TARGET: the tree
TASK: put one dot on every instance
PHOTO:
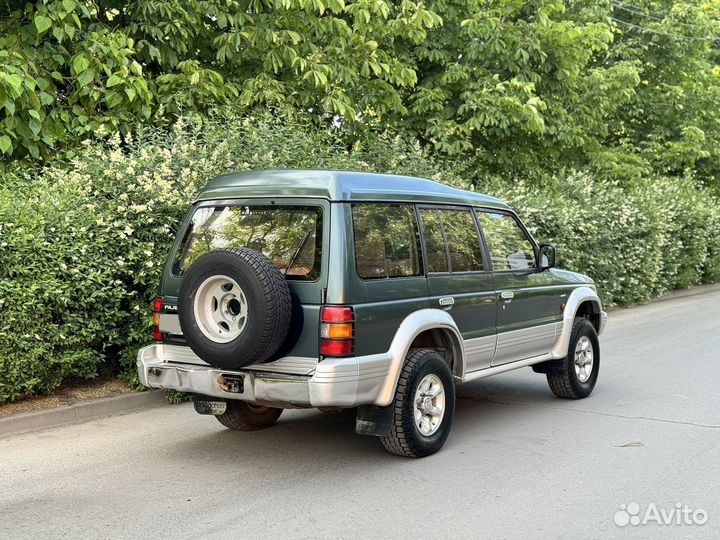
(69, 69)
(672, 122)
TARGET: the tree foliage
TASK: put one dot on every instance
(513, 87)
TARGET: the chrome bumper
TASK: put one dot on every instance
(342, 382)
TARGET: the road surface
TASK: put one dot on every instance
(519, 463)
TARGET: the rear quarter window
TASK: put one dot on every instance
(387, 240)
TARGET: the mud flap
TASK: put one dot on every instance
(373, 420)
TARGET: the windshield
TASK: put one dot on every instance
(290, 236)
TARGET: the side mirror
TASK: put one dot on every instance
(546, 257)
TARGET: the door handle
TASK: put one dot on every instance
(507, 295)
(447, 301)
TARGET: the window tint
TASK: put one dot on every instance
(435, 250)
(451, 240)
(387, 241)
(510, 248)
(290, 236)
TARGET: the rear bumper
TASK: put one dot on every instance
(342, 382)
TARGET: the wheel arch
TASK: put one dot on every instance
(426, 328)
(583, 302)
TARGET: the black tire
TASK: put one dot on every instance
(404, 438)
(268, 302)
(243, 416)
(561, 375)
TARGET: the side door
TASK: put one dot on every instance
(382, 272)
(528, 300)
(459, 280)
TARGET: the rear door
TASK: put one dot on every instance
(294, 233)
(385, 279)
(526, 309)
(459, 280)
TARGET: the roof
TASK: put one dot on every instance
(340, 186)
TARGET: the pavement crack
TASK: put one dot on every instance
(598, 413)
(629, 417)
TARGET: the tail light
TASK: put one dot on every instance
(156, 309)
(337, 331)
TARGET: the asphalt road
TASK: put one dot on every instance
(519, 463)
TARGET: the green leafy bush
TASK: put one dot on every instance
(637, 243)
(82, 243)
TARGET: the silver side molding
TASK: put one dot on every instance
(502, 368)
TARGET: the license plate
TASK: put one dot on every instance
(209, 407)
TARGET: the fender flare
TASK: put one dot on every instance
(577, 297)
(412, 326)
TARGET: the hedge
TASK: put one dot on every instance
(82, 242)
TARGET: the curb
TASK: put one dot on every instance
(676, 294)
(690, 291)
(82, 411)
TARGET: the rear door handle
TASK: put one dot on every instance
(446, 301)
(507, 295)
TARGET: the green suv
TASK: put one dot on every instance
(330, 289)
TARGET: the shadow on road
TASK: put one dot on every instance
(309, 436)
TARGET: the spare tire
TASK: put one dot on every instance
(234, 308)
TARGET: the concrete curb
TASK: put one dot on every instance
(690, 291)
(82, 411)
(695, 290)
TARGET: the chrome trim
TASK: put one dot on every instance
(154, 371)
(577, 297)
(293, 365)
(340, 382)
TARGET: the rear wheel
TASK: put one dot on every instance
(423, 407)
(574, 376)
(244, 416)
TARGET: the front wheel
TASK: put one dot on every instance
(244, 416)
(574, 376)
(423, 407)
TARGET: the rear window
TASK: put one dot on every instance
(387, 241)
(290, 236)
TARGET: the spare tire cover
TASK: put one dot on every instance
(234, 308)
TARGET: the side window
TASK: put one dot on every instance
(510, 248)
(435, 249)
(387, 240)
(451, 240)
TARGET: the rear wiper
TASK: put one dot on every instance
(290, 263)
